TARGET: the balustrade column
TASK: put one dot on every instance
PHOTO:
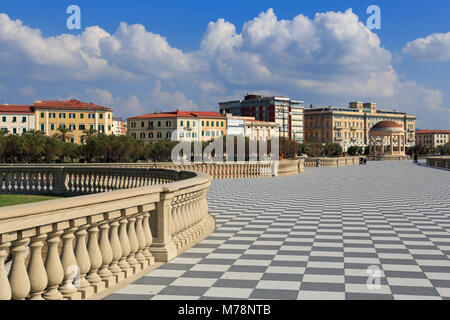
(69, 263)
(54, 268)
(134, 245)
(95, 256)
(5, 288)
(36, 269)
(116, 250)
(83, 261)
(18, 276)
(107, 254)
(141, 239)
(148, 237)
(125, 245)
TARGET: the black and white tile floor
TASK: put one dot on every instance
(314, 236)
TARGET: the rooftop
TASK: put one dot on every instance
(13, 109)
(73, 104)
(433, 131)
(180, 114)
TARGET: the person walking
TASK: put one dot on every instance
(415, 157)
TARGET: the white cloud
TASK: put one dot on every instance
(102, 97)
(332, 57)
(435, 47)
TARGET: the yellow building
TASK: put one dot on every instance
(212, 124)
(74, 115)
(351, 126)
(433, 138)
(153, 127)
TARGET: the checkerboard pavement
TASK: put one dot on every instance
(314, 236)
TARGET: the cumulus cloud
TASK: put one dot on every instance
(332, 58)
(435, 47)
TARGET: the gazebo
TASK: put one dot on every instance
(396, 136)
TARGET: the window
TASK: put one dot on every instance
(159, 135)
(100, 115)
(188, 134)
(24, 119)
(42, 115)
(159, 124)
(14, 130)
(142, 135)
(62, 115)
(82, 127)
(52, 115)
(168, 124)
(101, 128)
(42, 127)
(217, 123)
(194, 135)
(81, 115)
(181, 123)
(24, 130)
(109, 128)
(181, 135)
(150, 135)
(62, 126)
(3, 119)
(91, 126)
(150, 124)
(168, 135)
(91, 115)
(207, 123)
(142, 124)
(109, 116)
(221, 124)
(207, 133)
(203, 123)
(188, 124)
(52, 126)
(203, 133)
(194, 124)
(72, 127)
(71, 115)
(14, 119)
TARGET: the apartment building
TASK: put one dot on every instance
(351, 126)
(212, 124)
(286, 113)
(74, 115)
(153, 127)
(250, 127)
(16, 119)
(119, 126)
(433, 138)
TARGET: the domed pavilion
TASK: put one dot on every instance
(387, 133)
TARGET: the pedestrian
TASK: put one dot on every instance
(415, 157)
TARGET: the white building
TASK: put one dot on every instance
(251, 128)
(16, 119)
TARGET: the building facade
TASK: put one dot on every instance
(119, 126)
(433, 138)
(286, 113)
(16, 119)
(154, 127)
(212, 124)
(251, 128)
(351, 126)
(74, 115)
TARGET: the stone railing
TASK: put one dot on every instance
(291, 167)
(77, 180)
(332, 162)
(439, 162)
(82, 246)
(110, 174)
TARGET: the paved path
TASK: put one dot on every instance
(314, 235)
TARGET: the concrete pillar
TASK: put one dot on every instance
(392, 144)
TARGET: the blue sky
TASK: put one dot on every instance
(179, 53)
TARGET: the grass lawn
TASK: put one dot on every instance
(13, 199)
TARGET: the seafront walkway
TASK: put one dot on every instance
(380, 231)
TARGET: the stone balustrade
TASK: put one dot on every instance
(81, 246)
(439, 162)
(332, 162)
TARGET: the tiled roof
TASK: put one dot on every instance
(180, 114)
(15, 109)
(69, 105)
(433, 131)
(387, 124)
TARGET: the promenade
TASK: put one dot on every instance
(313, 236)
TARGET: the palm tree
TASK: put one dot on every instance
(63, 134)
(89, 133)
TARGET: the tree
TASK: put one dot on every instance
(63, 134)
(333, 149)
(354, 150)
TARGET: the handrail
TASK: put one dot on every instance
(96, 241)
